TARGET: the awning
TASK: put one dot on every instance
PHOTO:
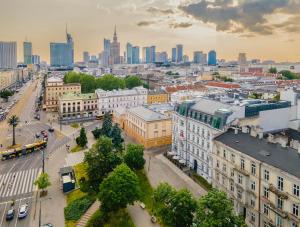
(176, 157)
(181, 161)
(171, 153)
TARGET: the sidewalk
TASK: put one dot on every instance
(162, 170)
(88, 214)
(140, 217)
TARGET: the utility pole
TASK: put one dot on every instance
(43, 160)
(149, 164)
(40, 215)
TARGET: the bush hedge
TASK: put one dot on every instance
(78, 207)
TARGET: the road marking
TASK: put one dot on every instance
(18, 212)
(2, 219)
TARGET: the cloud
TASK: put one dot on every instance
(154, 10)
(241, 16)
(180, 25)
(145, 23)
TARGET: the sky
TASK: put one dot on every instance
(264, 29)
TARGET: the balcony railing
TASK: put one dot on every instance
(279, 193)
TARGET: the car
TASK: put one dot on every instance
(37, 135)
(10, 214)
(44, 133)
(23, 211)
(47, 225)
(51, 130)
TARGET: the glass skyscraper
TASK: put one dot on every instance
(129, 53)
(179, 48)
(62, 54)
(152, 54)
(27, 51)
(136, 55)
(174, 54)
(212, 57)
(198, 57)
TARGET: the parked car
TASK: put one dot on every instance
(37, 135)
(51, 130)
(44, 133)
(10, 214)
(47, 225)
(23, 211)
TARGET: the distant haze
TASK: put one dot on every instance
(264, 29)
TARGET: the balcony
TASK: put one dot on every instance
(279, 193)
(277, 210)
(242, 171)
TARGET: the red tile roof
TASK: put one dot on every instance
(223, 85)
(172, 89)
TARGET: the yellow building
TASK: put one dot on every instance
(262, 178)
(147, 127)
(55, 88)
(155, 96)
(7, 78)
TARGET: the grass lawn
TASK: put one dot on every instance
(80, 171)
(146, 190)
(117, 219)
(201, 181)
(74, 125)
(76, 194)
(76, 149)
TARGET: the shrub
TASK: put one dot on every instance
(78, 207)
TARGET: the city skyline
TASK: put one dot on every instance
(145, 23)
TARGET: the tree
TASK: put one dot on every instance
(176, 208)
(119, 189)
(97, 133)
(117, 138)
(273, 70)
(110, 82)
(13, 121)
(100, 161)
(215, 209)
(5, 94)
(134, 156)
(42, 181)
(289, 75)
(81, 140)
(132, 81)
(107, 125)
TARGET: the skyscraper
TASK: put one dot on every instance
(27, 51)
(129, 53)
(8, 55)
(174, 54)
(146, 55)
(198, 56)
(179, 52)
(152, 54)
(212, 57)
(106, 53)
(242, 59)
(115, 49)
(62, 54)
(36, 59)
(86, 57)
(136, 55)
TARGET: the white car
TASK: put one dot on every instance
(23, 211)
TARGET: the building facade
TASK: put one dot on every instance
(179, 53)
(55, 88)
(254, 173)
(8, 55)
(147, 127)
(174, 54)
(108, 101)
(77, 107)
(212, 57)
(8, 78)
(115, 50)
(157, 96)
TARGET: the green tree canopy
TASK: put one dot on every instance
(100, 161)
(117, 138)
(134, 156)
(42, 181)
(81, 140)
(273, 70)
(5, 94)
(215, 209)
(289, 75)
(119, 189)
(133, 81)
(107, 125)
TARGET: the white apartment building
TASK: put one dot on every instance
(108, 101)
(195, 124)
(8, 55)
(261, 177)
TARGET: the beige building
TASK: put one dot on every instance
(157, 96)
(55, 88)
(148, 127)
(261, 177)
(77, 107)
(8, 78)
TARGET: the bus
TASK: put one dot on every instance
(27, 149)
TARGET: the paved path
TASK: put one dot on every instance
(88, 214)
(162, 170)
(140, 217)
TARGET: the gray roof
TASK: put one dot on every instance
(210, 106)
(146, 114)
(286, 159)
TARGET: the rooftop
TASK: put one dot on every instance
(147, 114)
(72, 96)
(210, 106)
(286, 159)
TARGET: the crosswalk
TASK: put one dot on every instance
(18, 183)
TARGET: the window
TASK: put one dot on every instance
(295, 210)
(231, 173)
(266, 175)
(278, 221)
(242, 164)
(224, 167)
(232, 186)
(233, 158)
(266, 192)
(296, 190)
(218, 164)
(253, 169)
(280, 183)
(224, 154)
(294, 224)
(240, 179)
(239, 194)
(279, 203)
(252, 217)
(266, 209)
(253, 185)
(252, 202)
